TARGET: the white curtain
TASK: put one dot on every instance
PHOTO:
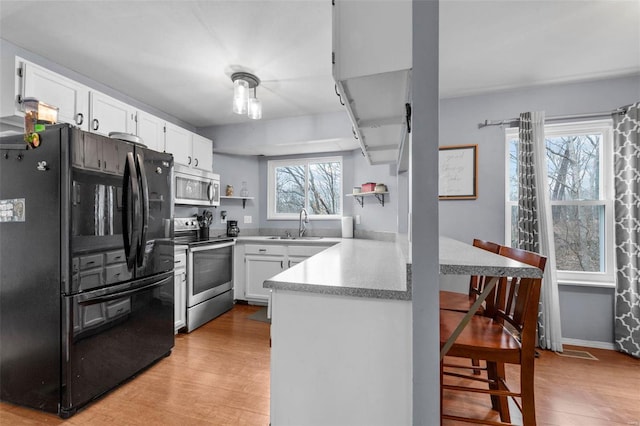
(535, 227)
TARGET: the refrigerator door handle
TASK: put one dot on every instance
(144, 201)
(129, 220)
(121, 294)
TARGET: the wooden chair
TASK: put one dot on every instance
(459, 302)
(508, 337)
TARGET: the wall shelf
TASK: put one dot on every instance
(244, 199)
(360, 196)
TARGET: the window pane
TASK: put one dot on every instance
(574, 167)
(324, 188)
(514, 226)
(579, 237)
(513, 170)
(289, 189)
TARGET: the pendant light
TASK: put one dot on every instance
(243, 82)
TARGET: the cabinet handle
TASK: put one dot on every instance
(98, 160)
(96, 124)
(196, 162)
(288, 264)
(262, 250)
(282, 264)
(79, 118)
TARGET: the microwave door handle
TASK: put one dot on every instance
(210, 191)
(130, 190)
(144, 216)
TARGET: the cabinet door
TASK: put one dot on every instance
(202, 153)
(151, 130)
(110, 156)
(180, 298)
(110, 115)
(92, 152)
(360, 47)
(257, 269)
(178, 143)
(70, 97)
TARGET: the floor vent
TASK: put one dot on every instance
(577, 354)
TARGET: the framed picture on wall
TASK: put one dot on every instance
(458, 172)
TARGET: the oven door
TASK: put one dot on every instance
(210, 271)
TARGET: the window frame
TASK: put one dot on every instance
(306, 161)
(597, 279)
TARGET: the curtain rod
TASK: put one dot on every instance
(513, 122)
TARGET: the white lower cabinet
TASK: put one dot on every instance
(256, 263)
(180, 289)
(260, 263)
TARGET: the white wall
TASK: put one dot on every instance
(484, 218)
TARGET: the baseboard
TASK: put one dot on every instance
(588, 343)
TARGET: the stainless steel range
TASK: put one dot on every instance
(209, 273)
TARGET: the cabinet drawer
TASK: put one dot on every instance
(116, 273)
(89, 279)
(180, 260)
(118, 308)
(90, 261)
(265, 249)
(115, 257)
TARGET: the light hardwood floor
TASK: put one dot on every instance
(219, 375)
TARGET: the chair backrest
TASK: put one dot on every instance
(517, 299)
(476, 284)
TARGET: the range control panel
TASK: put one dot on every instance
(185, 224)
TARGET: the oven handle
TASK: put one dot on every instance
(212, 246)
(121, 294)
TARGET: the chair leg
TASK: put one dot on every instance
(528, 395)
(496, 374)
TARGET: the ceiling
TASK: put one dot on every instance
(177, 56)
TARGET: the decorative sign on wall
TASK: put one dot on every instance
(458, 172)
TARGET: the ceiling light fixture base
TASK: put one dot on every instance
(248, 77)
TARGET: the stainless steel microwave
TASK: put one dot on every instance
(196, 187)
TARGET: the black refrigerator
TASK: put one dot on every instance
(86, 266)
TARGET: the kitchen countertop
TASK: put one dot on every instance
(355, 267)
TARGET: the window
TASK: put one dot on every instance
(311, 183)
(580, 175)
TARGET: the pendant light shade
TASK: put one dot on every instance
(243, 104)
(240, 96)
(254, 108)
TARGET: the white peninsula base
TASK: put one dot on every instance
(340, 360)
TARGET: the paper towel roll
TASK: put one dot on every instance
(347, 227)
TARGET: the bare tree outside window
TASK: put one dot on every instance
(577, 205)
(312, 184)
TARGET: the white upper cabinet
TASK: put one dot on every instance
(372, 60)
(189, 149)
(70, 97)
(371, 37)
(107, 115)
(178, 142)
(202, 152)
(151, 130)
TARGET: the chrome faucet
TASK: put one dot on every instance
(301, 225)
